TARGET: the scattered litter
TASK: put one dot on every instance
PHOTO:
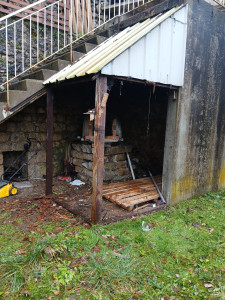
(218, 197)
(153, 205)
(160, 202)
(64, 178)
(208, 285)
(54, 204)
(77, 182)
(146, 227)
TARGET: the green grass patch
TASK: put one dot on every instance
(182, 256)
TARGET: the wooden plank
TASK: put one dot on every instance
(118, 184)
(49, 142)
(128, 186)
(131, 193)
(124, 196)
(101, 97)
(123, 188)
(135, 197)
(131, 190)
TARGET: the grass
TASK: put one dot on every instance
(181, 257)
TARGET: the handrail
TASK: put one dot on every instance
(220, 2)
(21, 10)
(39, 35)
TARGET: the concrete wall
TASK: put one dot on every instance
(198, 151)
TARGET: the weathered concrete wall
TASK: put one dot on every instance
(199, 152)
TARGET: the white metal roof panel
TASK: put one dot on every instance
(130, 51)
(159, 56)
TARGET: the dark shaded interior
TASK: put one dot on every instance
(8, 158)
(142, 111)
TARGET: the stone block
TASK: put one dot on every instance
(122, 172)
(87, 172)
(108, 175)
(121, 178)
(84, 156)
(1, 159)
(84, 178)
(116, 165)
(119, 157)
(4, 137)
(88, 165)
(39, 158)
(36, 170)
(78, 169)
(87, 148)
(1, 169)
(76, 147)
(77, 162)
(117, 150)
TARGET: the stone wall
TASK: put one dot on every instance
(32, 122)
(115, 162)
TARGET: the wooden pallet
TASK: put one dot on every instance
(132, 193)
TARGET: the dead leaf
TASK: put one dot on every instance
(56, 293)
(196, 225)
(21, 251)
(211, 230)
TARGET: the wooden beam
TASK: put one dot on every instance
(49, 141)
(101, 98)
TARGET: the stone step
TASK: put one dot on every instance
(27, 85)
(57, 65)
(42, 74)
(15, 96)
(85, 48)
(76, 56)
(97, 40)
(107, 33)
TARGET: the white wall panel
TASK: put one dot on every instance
(159, 56)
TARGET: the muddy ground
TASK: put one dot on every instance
(32, 205)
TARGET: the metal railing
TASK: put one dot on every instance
(220, 2)
(29, 37)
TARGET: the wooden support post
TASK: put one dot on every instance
(101, 98)
(49, 142)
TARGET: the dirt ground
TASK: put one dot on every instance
(32, 205)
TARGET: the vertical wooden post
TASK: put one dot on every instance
(49, 141)
(101, 97)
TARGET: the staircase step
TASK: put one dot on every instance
(42, 74)
(57, 65)
(85, 48)
(76, 56)
(97, 40)
(107, 33)
(15, 96)
(27, 85)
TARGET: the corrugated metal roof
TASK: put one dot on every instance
(100, 56)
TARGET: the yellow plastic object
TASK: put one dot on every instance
(7, 190)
